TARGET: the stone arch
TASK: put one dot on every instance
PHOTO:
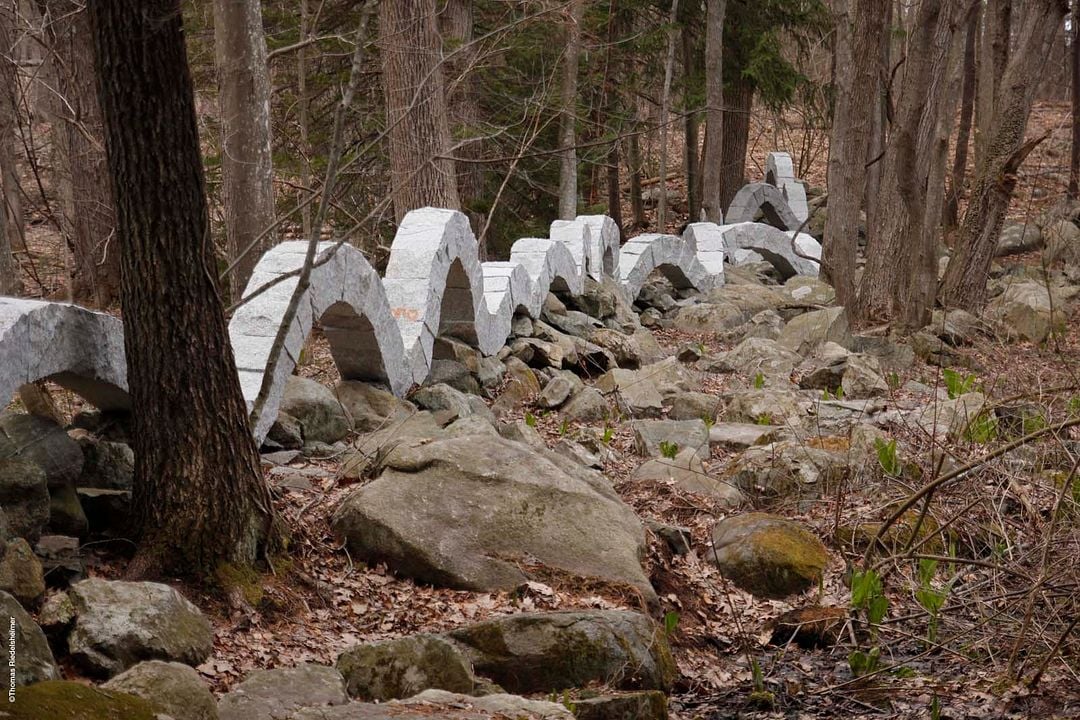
(603, 246)
(550, 266)
(675, 257)
(76, 348)
(767, 199)
(775, 246)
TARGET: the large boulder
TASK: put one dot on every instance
(119, 624)
(58, 699)
(21, 573)
(403, 667)
(765, 406)
(444, 705)
(635, 392)
(173, 688)
(280, 693)
(44, 443)
(1018, 238)
(1062, 242)
(321, 415)
(371, 408)
(106, 464)
(767, 555)
(758, 355)
(1028, 310)
(953, 418)
(464, 512)
(545, 652)
(34, 660)
(24, 496)
(787, 470)
(804, 333)
(709, 318)
(663, 438)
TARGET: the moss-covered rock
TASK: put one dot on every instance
(58, 699)
(171, 687)
(21, 573)
(403, 667)
(544, 652)
(646, 705)
(767, 555)
(33, 660)
(280, 692)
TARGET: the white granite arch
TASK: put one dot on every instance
(708, 238)
(766, 198)
(673, 256)
(576, 235)
(76, 348)
(345, 295)
(780, 171)
(775, 246)
(550, 267)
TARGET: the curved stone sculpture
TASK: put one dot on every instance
(383, 330)
(345, 296)
(76, 348)
(775, 246)
(765, 198)
(780, 171)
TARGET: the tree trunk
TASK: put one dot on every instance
(11, 217)
(963, 134)
(993, 55)
(713, 161)
(860, 31)
(964, 285)
(568, 193)
(879, 120)
(246, 154)
(303, 111)
(421, 167)
(456, 22)
(665, 112)
(1074, 57)
(691, 124)
(736, 136)
(899, 247)
(637, 204)
(199, 496)
(90, 219)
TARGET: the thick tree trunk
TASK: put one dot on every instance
(963, 133)
(637, 203)
(899, 248)
(665, 110)
(11, 216)
(691, 124)
(199, 497)
(246, 154)
(993, 56)
(90, 219)
(735, 137)
(875, 150)
(713, 161)
(568, 191)
(456, 22)
(421, 167)
(1074, 58)
(964, 285)
(303, 113)
(860, 31)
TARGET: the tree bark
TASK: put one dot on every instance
(993, 56)
(11, 217)
(637, 203)
(735, 137)
(568, 191)
(860, 32)
(457, 29)
(421, 167)
(963, 133)
(665, 112)
(880, 120)
(1074, 58)
(90, 218)
(964, 285)
(199, 496)
(713, 161)
(246, 154)
(691, 125)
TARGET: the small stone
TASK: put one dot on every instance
(768, 556)
(555, 393)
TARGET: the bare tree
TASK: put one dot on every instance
(860, 28)
(568, 193)
(993, 55)
(199, 495)
(421, 166)
(246, 155)
(11, 218)
(714, 116)
(665, 111)
(456, 22)
(1074, 61)
(963, 134)
(964, 284)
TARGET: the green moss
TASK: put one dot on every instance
(56, 699)
(234, 577)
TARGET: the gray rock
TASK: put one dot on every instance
(455, 374)
(61, 564)
(766, 407)
(106, 464)
(496, 705)
(34, 660)
(1062, 242)
(1028, 310)
(108, 512)
(652, 436)
(709, 318)
(956, 327)
(445, 399)
(555, 393)
(635, 392)
(808, 291)
(488, 500)
(24, 496)
(285, 433)
(739, 436)
(119, 624)
(787, 470)
(401, 668)
(545, 652)
(687, 472)
(174, 688)
(21, 573)
(520, 431)
(768, 556)
(646, 705)
(678, 539)
(588, 405)
(281, 693)
(1018, 238)
(951, 418)
(41, 441)
(758, 355)
(321, 416)
(863, 378)
(622, 346)
(750, 298)
(372, 408)
(66, 514)
(766, 324)
(693, 406)
(804, 333)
